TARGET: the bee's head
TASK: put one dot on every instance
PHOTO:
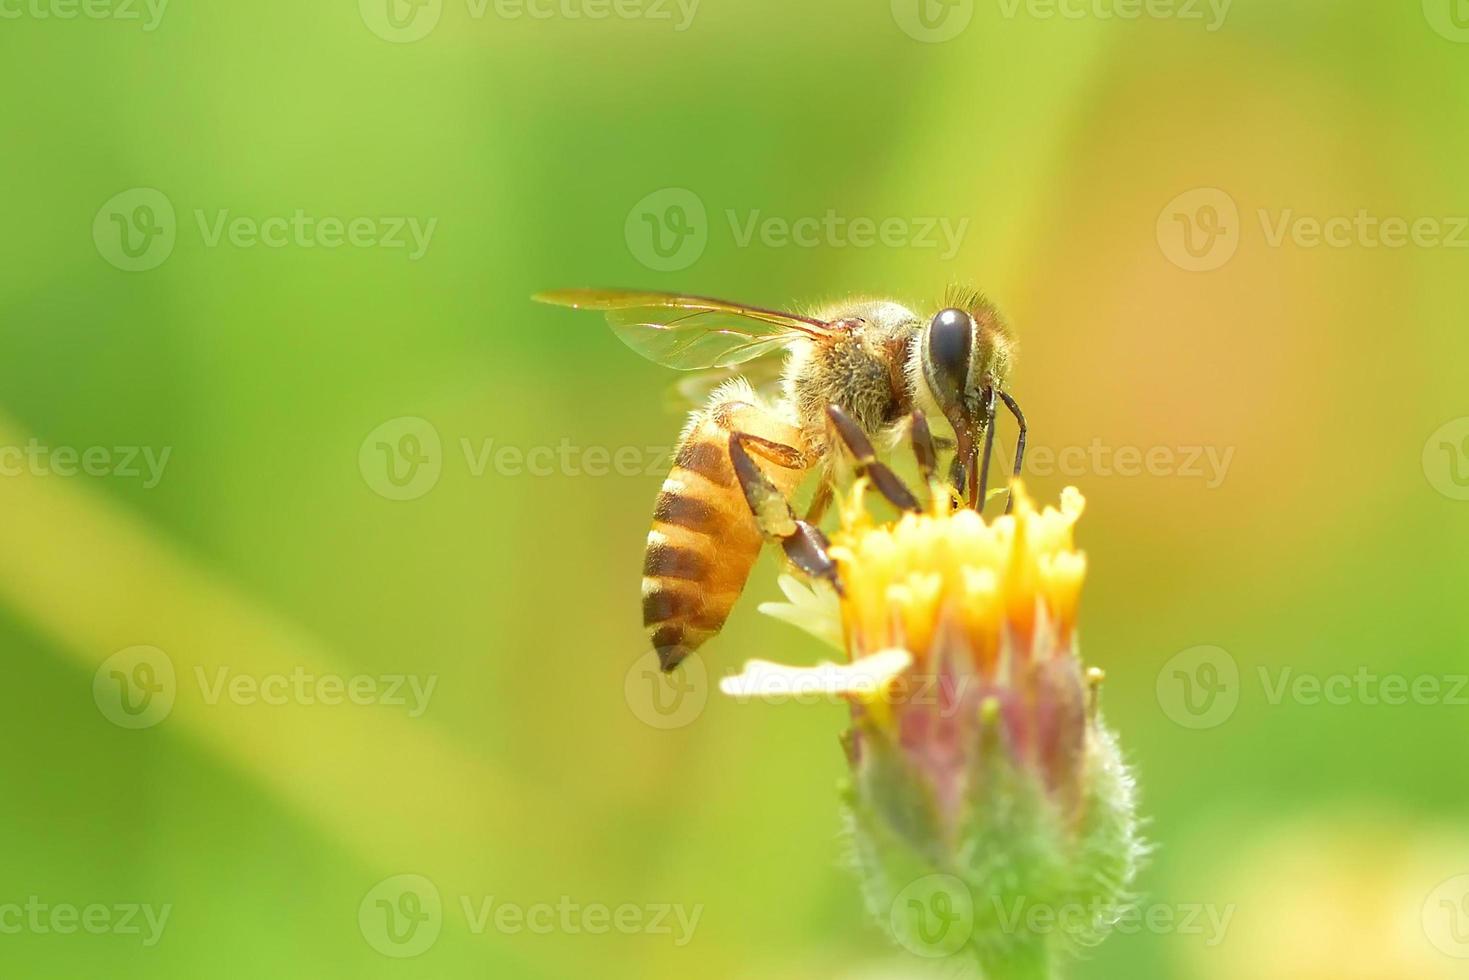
(964, 356)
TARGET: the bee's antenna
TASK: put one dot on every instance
(1019, 444)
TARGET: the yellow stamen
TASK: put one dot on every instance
(992, 578)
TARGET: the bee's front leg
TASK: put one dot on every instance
(820, 501)
(1014, 408)
(924, 450)
(802, 542)
(883, 478)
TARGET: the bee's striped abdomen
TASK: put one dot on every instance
(704, 540)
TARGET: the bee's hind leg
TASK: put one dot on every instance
(883, 478)
(802, 542)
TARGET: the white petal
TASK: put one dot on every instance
(798, 592)
(815, 611)
(863, 679)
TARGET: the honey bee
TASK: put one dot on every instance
(856, 374)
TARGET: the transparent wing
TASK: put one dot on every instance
(692, 390)
(692, 332)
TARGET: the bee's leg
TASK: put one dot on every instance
(982, 485)
(802, 542)
(703, 542)
(822, 500)
(1019, 445)
(883, 478)
(923, 447)
(959, 471)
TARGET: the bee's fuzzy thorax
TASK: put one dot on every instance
(858, 372)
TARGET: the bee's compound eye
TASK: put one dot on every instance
(950, 340)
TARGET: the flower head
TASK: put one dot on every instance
(976, 750)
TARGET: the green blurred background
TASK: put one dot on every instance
(1121, 184)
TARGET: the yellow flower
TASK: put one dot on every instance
(977, 752)
(949, 568)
